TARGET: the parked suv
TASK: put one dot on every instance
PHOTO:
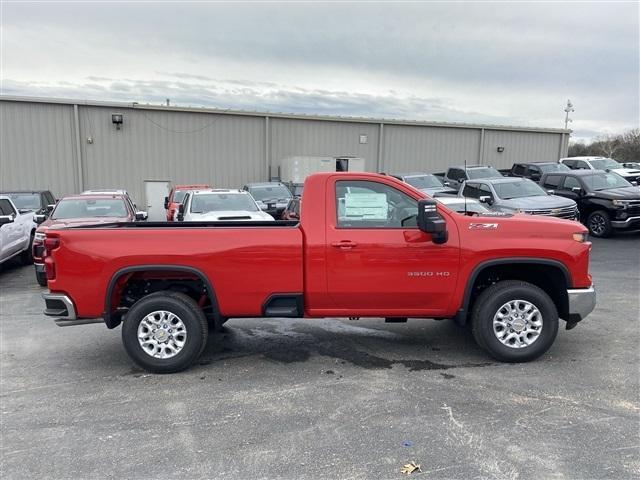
(272, 197)
(534, 171)
(426, 182)
(602, 163)
(40, 202)
(519, 195)
(220, 205)
(606, 201)
(456, 176)
(16, 231)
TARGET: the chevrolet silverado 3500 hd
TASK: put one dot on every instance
(367, 245)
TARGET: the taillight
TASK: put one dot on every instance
(50, 244)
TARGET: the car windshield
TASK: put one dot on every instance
(606, 181)
(484, 172)
(474, 207)
(604, 163)
(270, 192)
(554, 167)
(89, 208)
(178, 196)
(219, 202)
(525, 188)
(423, 181)
(25, 201)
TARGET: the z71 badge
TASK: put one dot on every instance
(483, 226)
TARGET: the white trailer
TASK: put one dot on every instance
(297, 169)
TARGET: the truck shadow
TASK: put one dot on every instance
(295, 340)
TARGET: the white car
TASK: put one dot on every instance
(631, 175)
(218, 205)
(17, 230)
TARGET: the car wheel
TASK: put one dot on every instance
(26, 257)
(599, 224)
(165, 332)
(514, 321)
(41, 278)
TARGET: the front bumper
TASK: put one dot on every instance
(582, 301)
(625, 223)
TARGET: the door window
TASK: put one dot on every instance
(485, 191)
(552, 181)
(580, 165)
(571, 182)
(6, 208)
(471, 190)
(518, 170)
(366, 204)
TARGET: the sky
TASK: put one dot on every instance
(497, 63)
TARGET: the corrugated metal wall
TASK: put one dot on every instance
(323, 138)
(431, 149)
(38, 145)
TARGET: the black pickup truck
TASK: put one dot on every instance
(534, 170)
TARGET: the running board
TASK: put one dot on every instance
(61, 322)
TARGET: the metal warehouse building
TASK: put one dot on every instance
(68, 146)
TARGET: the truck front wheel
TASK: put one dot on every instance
(165, 332)
(514, 321)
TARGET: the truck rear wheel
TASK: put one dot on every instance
(26, 257)
(514, 321)
(165, 332)
(41, 278)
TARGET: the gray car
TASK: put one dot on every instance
(271, 197)
(426, 182)
(519, 195)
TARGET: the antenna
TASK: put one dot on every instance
(466, 175)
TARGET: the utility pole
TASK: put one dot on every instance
(567, 109)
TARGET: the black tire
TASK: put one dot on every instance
(26, 257)
(599, 224)
(191, 315)
(41, 278)
(489, 303)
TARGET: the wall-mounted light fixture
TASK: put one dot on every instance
(117, 119)
(500, 149)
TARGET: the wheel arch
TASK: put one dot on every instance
(113, 320)
(545, 269)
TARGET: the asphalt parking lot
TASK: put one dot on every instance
(325, 398)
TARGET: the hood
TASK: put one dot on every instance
(538, 202)
(76, 222)
(624, 193)
(229, 216)
(626, 172)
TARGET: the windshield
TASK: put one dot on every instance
(178, 196)
(525, 188)
(604, 164)
(270, 192)
(606, 181)
(25, 201)
(484, 172)
(423, 181)
(91, 207)
(554, 167)
(218, 202)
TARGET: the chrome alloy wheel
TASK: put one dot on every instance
(517, 323)
(162, 334)
(597, 224)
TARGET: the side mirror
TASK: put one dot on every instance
(4, 219)
(50, 208)
(577, 190)
(447, 184)
(39, 218)
(551, 192)
(486, 199)
(166, 203)
(141, 215)
(635, 184)
(430, 221)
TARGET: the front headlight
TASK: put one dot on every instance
(39, 236)
(580, 237)
(620, 203)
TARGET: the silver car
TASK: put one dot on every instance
(519, 195)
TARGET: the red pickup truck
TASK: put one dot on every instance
(367, 245)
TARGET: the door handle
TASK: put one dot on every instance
(346, 244)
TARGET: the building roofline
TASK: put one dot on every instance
(292, 116)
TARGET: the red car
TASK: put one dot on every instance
(176, 195)
(367, 245)
(85, 209)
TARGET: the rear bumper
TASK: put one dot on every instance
(61, 307)
(582, 301)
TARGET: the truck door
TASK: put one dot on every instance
(12, 235)
(377, 261)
